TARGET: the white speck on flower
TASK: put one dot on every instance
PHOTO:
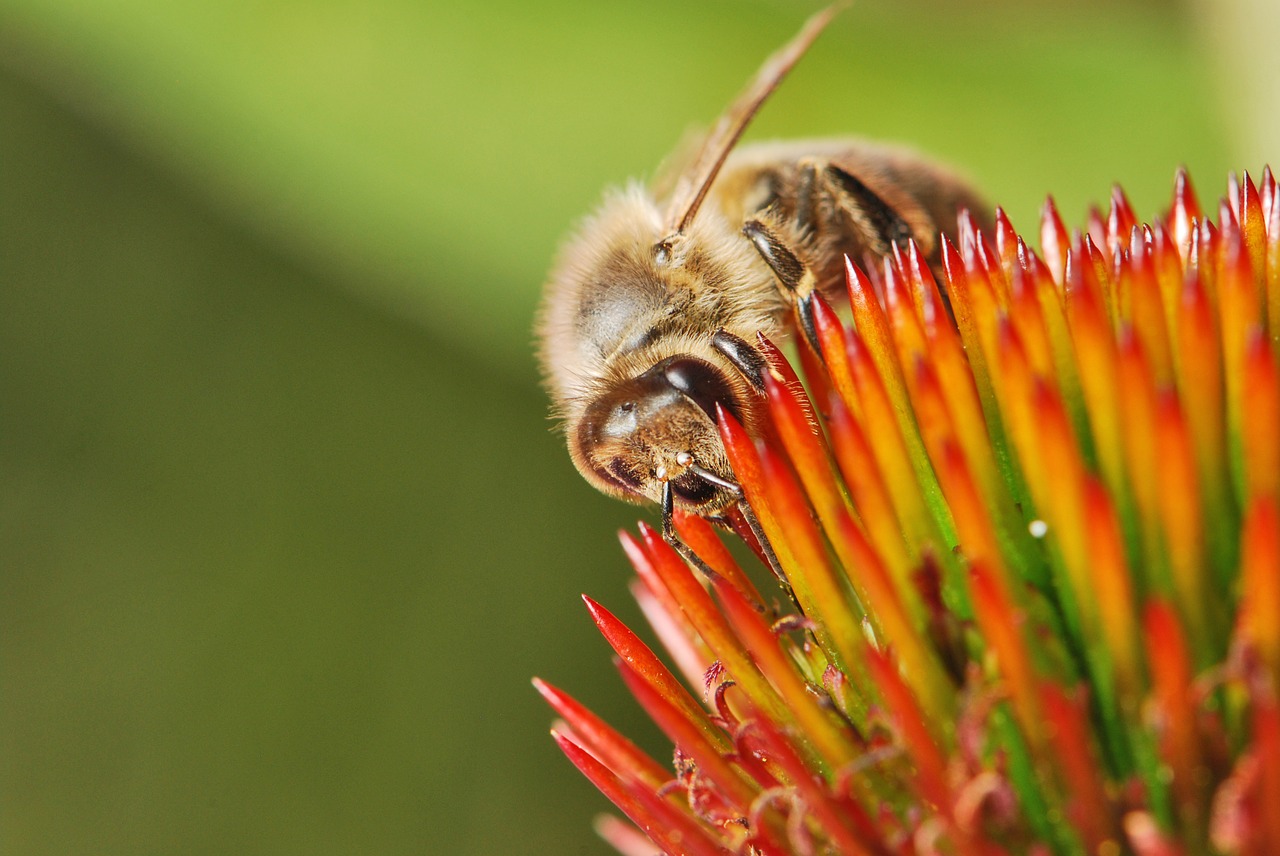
(1038, 528)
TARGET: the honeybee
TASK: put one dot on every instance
(649, 316)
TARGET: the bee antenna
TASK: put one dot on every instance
(696, 181)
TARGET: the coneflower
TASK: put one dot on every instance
(1027, 543)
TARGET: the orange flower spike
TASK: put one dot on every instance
(1185, 212)
(934, 318)
(1260, 597)
(1239, 314)
(914, 733)
(908, 334)
(1017, 384)
(1200, 384)
(1170, 278)
(1001, 626)
(874, 330)
(1006, 242)
(701, 612)
(1120, 220)
(1254, 231)
(1146, 309)
(784, 515)
(1178, 504)
(1112, 588)
(1087, 804)
(1137, 398)
(986, 260)
(861, 473)
(1174, 709)
(695, 531)
(1063, 503)
(962, 306)
(805, 446)
(1260, 441)
(602, 741)
(831, 741)
(641, 660)
(1024, 312)
(1095, 350)
(1271, 212)
(1101, 270)
(902, 630)
(863, 393)
(666, 825)
(1054, 240)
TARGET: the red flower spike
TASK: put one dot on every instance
(1266, 739)
(1174, 711)
(1024, 313)
(1185, 212)
(1099, 272)
(842, 822)
(1087, 804)
(668, 827)
(697, 533)
(989, 263)
(924, 291)
(647, 572)
(688, 653)
(1260, 439)
(1260, 599)
(830, 741)
(1054, 240)
(623, 837)
(616, 751)
(874, 332)
(732, 790)
(644, 663)
(701, 612)
(1170, 277)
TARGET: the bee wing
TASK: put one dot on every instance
(692, 185)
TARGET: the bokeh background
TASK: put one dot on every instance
(284, 531)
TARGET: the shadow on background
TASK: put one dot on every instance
(284, 532)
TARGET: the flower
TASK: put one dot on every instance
(1028, 543)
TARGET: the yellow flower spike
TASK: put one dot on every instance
(1137, 400)
(1239, 315)
(1201, 388)
(1254, 232)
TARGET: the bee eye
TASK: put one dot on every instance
(627, 406)
(702, 383)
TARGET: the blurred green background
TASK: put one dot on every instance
(283, 528)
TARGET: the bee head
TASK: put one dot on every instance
(657, 427)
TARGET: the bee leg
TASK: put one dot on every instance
(880, 224)
(746, 359)
(795, 276)
(670, 535)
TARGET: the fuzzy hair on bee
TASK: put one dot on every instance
(651, 311)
